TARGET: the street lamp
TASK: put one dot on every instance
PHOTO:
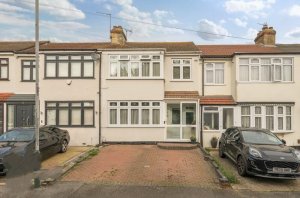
(37, 79)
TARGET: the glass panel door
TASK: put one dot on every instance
(188, 120)
(173, 121)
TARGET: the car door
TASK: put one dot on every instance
(233, 143)
(44, 143)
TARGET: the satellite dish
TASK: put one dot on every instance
(95, 56)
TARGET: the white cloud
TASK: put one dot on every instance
(294, 11)
(14, 20)
(51, 7)
(68, 25)
(295, 33)
(253, 8)
(130, 12)
(108, 7)
(240, 23)
(208, 30)
(11, 8)
(251, 33)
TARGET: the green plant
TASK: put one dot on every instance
(93, 152)
(227, 173)
(193, 139)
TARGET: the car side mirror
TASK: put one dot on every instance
(283, 141)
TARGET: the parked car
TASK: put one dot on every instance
(17, 148)
(260, 153)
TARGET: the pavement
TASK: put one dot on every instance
(145, 165)
(256, 183)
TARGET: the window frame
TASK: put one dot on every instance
(70, 108)
(181, 65)
(4, 65)
(69, 60)
(129, 107)
(214, 73)
(32, 66)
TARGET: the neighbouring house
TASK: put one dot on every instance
(122, 91)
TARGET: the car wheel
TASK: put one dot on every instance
(221, 151)
(64, 146)
(241, 166)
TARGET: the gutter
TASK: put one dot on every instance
(201, 108)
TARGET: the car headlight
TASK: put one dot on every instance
(297, 153)
(255, 153)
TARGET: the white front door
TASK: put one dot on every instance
(181, 121)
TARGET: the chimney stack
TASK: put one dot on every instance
(267, 36)
(118, 36)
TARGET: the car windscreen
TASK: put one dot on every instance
(17, 136)
(260, 137)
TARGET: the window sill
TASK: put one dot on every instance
(214, 84)
(181, 80)
(138, 126)
(135, 78)
(79, 78)
(258, 82)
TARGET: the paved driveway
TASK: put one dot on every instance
(145, 165)
(256, 183)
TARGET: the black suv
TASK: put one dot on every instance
(259, 152)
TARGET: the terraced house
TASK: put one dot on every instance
(153, 92)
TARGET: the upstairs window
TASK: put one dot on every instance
(3, 68)
(182, 69)
(69, 66)
(135, 66)
(266, 70)
(28, 70)
(214, 73)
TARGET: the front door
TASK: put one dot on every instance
(181, 121)
(24, 116)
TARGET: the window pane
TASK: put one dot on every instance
(186, 62)
(63, 117)
(88, 69)
(265, 61)
(244, 73)
(280, 123)
(188, 132)
(258, 122)
(254, 60)
(124, 69)
(219, 76)
(270, 123)
(173, 114)
(76, 117)
(176, 61)
(155, 116)
(26, 73)
(33, 73)
(186, 72)
(156, 69)
(146, 69)
(287, 61)
(287, 73)
(145, 116)
(134, 116)
(188, 114)
(258, 110)
(113, 69)
(63, 69)
(288, 110)
(51, 70)
(51, 57)
(269, 110)
(245, 110)
(113, 104)
(135, 69)
(280, 110)
(3, 72)
(209, 76)
(277, 72)
(88, 104)
(254, 73)
(51, 117)
(288, 123)
(88, 117)
(76, 57)
(244, 61)
(123, 116)
(176, 72)
(211, 121)
(113, 116)
(227, 118)
(246, 121)
(75, 69)
(266, 74)
(173, 132)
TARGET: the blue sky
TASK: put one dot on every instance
(77, 20)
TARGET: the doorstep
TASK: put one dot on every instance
(177, 146)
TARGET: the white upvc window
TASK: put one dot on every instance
(211, 118)
(276, 118)
(214, 73)
(182, 69)
(135, 113)
(135, 66)
(266, 69)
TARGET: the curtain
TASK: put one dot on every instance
(244, 73)
(176, 72)
(134, 116)
(244, 61)
(155, 116)
(288, 123)
(269, 110)
(287, 73)
(3, 72)
(258, 110)
(246, 121)
(255, 73)
(258, 122)
(135, 69)
(50, 69)
(26, 73)
(123, 116)
(266, 74)
(277, 72)
(123, 68)
(76, 117)
(280, 123)
(227, 118)
(219, 76)
(113, 116)
(156, 69)
(270, 123)
(145, 116)
(113, 69)
(63, 69)
(209, 76)
(146, 69)
(63, 117)
(88, 69)
(75, 69)
(246, 110)
(88, 117)
(186, 72)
